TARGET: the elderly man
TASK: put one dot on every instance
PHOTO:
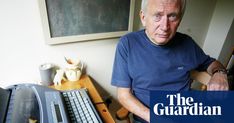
(159, 58)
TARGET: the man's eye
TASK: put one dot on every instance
(157, 17)
(173, 17)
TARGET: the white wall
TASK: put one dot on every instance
(219, 27)
(197, 19)
(228, 46)
(22, 47)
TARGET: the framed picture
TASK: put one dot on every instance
(66, 21)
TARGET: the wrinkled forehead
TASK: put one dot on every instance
(162, 3)
(178, 3)
(166, 1)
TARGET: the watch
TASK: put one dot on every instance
(223, 71)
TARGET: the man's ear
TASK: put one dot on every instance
(142, 16)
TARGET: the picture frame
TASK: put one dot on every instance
(84, 20)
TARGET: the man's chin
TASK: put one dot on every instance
(161, 41)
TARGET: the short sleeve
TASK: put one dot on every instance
(202, 60)
(120, 74)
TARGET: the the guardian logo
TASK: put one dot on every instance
(179, 105)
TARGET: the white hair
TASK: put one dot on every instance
(145, 2)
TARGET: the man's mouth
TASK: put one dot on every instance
(163, 36)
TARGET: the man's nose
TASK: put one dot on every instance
(164, 25)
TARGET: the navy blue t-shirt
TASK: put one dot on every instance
(143, 66)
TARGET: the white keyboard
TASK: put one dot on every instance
(79, 107)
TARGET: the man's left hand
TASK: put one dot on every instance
(218, 82)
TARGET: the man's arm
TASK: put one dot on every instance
(131, 103)
(218, 79)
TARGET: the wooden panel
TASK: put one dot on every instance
(202, 77)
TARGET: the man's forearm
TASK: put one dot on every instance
(129, 101)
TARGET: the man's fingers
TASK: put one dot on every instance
(216, 86)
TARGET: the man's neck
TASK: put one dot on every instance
(151, 40)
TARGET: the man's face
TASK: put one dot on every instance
(161, 20)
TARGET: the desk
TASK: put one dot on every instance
(85, 82)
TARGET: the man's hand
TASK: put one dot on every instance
(218, 79)
(218, 82)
